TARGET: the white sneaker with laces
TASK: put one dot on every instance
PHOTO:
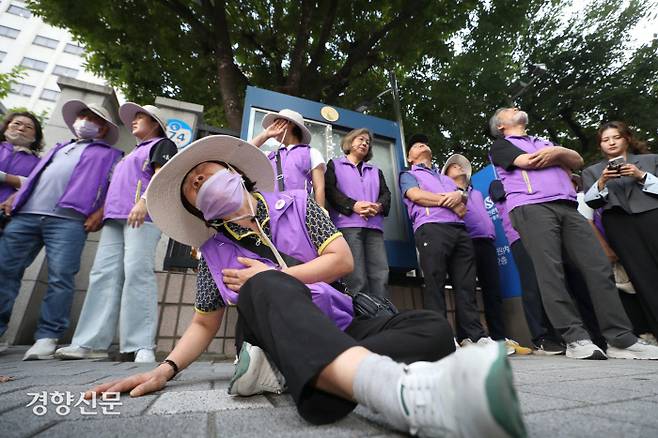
(145, 355)
(467, 394)
(78, 352)
(640, 350)
(254, 374)
(585, 349)
(41, 350)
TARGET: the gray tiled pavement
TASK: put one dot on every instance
(559, 397)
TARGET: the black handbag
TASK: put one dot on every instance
(365, 306)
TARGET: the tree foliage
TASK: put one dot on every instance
(6, 79)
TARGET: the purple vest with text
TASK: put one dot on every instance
(360, 188)
(433, 182)
(296, 167)
(535, 186)
(85, 191)
(477, 220)
(510, 232)
(130, 179)
(14, 163)
(289, 235)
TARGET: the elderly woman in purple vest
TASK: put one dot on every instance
(359, 199)
(21, 140)
(57, 205)
(543, 209)
(122, 284)
(330, 361)
(625, 186)
(296, 164)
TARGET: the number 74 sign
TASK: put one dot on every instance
(179, 132)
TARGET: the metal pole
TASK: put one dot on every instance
(396, 106)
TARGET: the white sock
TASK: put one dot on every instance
(376, 386)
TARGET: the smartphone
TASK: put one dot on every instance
(616, 163)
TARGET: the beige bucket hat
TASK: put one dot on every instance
(72, 108)
(129, 110)
(291, 116)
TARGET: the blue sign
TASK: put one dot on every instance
(179, 132)
(509, 274)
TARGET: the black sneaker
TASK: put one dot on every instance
(548, 347)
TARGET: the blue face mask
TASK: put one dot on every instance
(221, 195)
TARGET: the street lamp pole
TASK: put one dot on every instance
(396, 106)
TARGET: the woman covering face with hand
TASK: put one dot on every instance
(206, 197)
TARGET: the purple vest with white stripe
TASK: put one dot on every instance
(287, 212)
(296, 167)
(434, 182)
(360, 188)
(477, 220)
(528, 186)
(14, 163)
(130, 179)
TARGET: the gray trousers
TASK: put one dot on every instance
(370, 273)
(546, 229)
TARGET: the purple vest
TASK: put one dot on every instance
(85, 191)
(510, 232)
(434, 182)
(286, 222)
(296, 167)
(477, 220)
(360, 188)
(130, 179)
(14, 163)
(535, 186)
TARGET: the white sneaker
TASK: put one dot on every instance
(585, 349)
(145, 356)
(78, 352)
(467, 394)
(3, 346)
(42, 349)
(254, 374)
(640, 350)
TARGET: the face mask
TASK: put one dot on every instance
(86, 129)
(18, 138)
(221, 195)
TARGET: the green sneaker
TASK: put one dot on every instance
(254, 374)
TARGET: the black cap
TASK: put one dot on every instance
(417, 138)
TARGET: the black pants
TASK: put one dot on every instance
(448, 249)
(486, 262)
(277, 314)
(634, 238)
(548, 230)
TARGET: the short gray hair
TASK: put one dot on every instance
(495, 122)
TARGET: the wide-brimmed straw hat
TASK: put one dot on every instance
(72, 108)
(462, 161)
(291, 116)
(163, 197)
(129, 110)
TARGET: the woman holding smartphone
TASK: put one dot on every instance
(625, 186)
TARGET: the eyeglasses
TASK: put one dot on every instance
(18, 124)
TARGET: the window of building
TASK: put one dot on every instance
(60, 70)
(34, 64)
(22, 89)
(74, 49)
(20, 11)
(50, 95)
(45, 42)
(2, 55)
(9, 32)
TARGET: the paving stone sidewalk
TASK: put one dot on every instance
(559, 397)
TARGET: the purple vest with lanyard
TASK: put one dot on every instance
(478, 222)
(290, 236)
(510, 232)
(360, 188)
(295, 165)
(130, 179)
(14, 163)
(434, 182)
(85, 191)
(528, 186)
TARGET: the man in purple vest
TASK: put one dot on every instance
(59, 203)
(543, 209)
(436, 208)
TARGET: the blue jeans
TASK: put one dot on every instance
(21, 241)
(370, 273)
(122, 289)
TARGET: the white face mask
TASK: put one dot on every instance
(18, 138)
(86, 129)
